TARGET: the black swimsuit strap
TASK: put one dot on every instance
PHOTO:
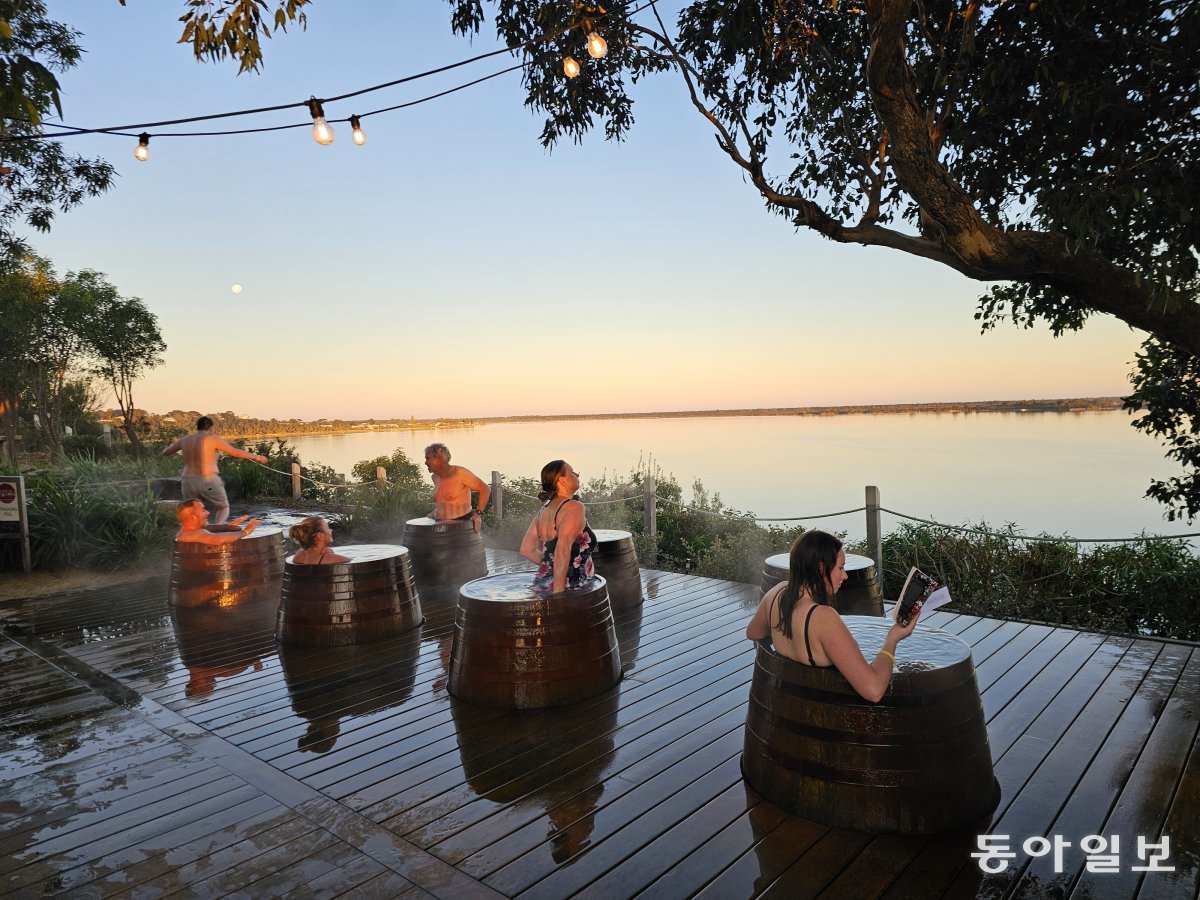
(807, 646)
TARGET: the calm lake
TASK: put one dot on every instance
(1080, 474)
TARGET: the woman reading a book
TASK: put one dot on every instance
(797, 618)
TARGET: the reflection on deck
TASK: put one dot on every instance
(146, 750)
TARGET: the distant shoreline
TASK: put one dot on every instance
(232, 425)
(1064, 405)
(1074, 404)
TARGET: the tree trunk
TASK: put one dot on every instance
(8, 420)
(135, 442)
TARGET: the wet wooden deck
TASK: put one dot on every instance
(146, 751)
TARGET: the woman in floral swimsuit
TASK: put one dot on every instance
(559, 539)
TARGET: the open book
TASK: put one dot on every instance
(919, 594)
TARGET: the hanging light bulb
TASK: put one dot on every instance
(570, 66)
(322, 131)
(357, 134)
(596, 45)
(142, 152)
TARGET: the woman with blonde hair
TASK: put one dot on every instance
(314, 538)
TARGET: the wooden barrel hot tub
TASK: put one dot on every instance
(917, 762)
(242, 571)
(517, 649)
(860, 594)
(616, 561)
(444, 556)
(369, 598)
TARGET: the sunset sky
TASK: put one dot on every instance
(453, 267)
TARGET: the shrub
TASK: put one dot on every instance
(1145, 586)
(73, 524)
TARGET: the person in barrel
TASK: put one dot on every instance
(315, 539)
(559, 538)
(194, 529)
(452, 487)
(797, 617)
(200, 478)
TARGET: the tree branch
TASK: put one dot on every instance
(949, 217)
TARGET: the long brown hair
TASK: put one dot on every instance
(810, 563)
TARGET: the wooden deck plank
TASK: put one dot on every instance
(1029, 805)
(613, 797)
(1146, 798)
(567, 881)
(809, 875)
(637, 871)
(230, 868)
(620, 824)
(163, 853)
(1097, 790)
(1183, 826)
(769, 855)
(31, 864)
(384, 797)
(455, 822)
(56, 784)
(108, 797)
(707, 861)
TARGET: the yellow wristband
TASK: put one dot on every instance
(888, 654)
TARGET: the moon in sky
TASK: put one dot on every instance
(237, 288)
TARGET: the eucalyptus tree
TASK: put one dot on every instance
(38, 178)
(125, 343)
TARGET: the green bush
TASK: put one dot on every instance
(73, 524)
(1138, 587)
(399, 468)
(249, 481)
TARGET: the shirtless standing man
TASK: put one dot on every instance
(200, 478)
(452, 486)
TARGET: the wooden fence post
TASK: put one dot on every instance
(380, 475)
(107, 435)
(650, 510)
(295, 481)
(497, 495)
(874, 532)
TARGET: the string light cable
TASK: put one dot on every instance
(141, 130)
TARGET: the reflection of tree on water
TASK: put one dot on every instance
(532, 769)
(218, 642)
(329, 684)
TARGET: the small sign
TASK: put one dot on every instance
(14, 519)
(10, 510)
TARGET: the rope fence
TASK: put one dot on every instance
(1040, 538)
(654, 500)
